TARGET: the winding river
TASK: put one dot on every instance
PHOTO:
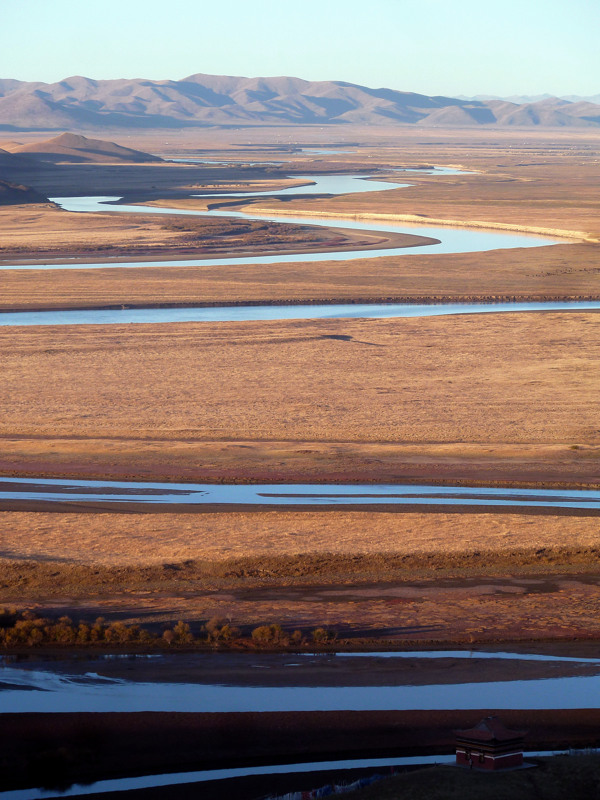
(451, 240)
(448, 239)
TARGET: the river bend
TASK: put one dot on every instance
(451, 240)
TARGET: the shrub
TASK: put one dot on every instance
(168, 636)
(62, 632)
(182, 633)
(83, 633)
(120, 633)
(296, 637)
(220, 630)
(97, 630)
(269, 634)
(323, 636)
(229, 633)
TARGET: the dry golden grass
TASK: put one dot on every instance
(506, 378)
(191, 459)
(506, 576)
(122, 539)
(46, 228)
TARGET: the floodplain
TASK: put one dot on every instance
(506, 400)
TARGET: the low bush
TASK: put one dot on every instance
(28, 629)
(266, 635)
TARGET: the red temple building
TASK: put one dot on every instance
(489, 746)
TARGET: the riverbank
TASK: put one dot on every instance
(563, 465)
(42, 234)
(562, 271)
(371, 577)
(575, 776)
(56, 748)
(419, 219)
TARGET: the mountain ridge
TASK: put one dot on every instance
(533, 98)
(81, 103)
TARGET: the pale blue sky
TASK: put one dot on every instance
(445, 47)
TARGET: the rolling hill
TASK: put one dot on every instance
(17, 194)
(80, 103)
(78, 149)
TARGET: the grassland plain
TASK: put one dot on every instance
(507, 399)
(492, 380)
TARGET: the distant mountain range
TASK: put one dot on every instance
(534, 98)
(201, 100)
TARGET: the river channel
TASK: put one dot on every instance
(203, 776)
(96, 683)
(275, 312)
(58, 490)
